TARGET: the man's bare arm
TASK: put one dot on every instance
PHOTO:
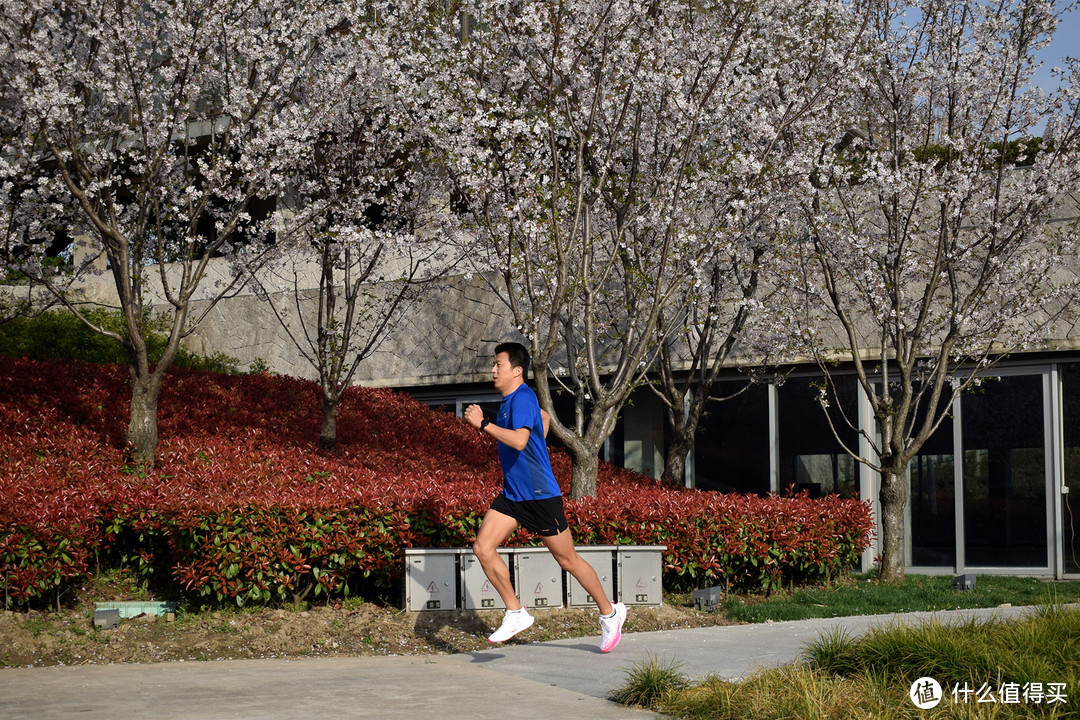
(516, 439)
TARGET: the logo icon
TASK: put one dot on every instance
(925, 693)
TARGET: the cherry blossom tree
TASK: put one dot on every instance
(929, 253)
(153, 129)
(20, 295)
(585, 140)
(366, 216)
(787, 70)
(727, 324)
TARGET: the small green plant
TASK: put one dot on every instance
(353, 602)
(831, 649)
(650, 681)
(36, 626)
(217, 362)
(225, 627)
(259, 366)
(136, 470)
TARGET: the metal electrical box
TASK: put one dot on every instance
(639, 574)
(539, 579)
(477, 591)
(452, 578)
(602, 558)
(108, 619)
(708, 599)
(431, 579)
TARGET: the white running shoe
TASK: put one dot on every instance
(611, 628)
(514, 621)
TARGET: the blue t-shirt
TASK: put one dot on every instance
(527, 473)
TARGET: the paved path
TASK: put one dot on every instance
(563, 679)
(730, 652)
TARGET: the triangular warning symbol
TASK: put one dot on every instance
(487, 586)
(539, 588)
(641, 583)
(433, 588)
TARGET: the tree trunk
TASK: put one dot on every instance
(893, 498)
(142, 432)
(586, 465)
(675, 453)
(584, 450)
(328, 433)
(676, 442)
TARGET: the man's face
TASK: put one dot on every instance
(502, 374)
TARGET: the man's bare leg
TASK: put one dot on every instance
(562, 549)
(494, 530)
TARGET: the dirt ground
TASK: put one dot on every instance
(352, 627)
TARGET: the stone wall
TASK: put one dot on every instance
(446, 338)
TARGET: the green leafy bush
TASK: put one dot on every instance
(59, 335)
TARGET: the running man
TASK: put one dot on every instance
(530, 497)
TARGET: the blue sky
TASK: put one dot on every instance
(1066, 43)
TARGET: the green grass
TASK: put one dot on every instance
(35, 626)
(870, 676)
(651, 682)
(789, 692)
(863, 596)
(1037, 648)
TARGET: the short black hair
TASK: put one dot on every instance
(518, 355)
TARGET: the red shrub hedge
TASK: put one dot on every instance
(244, 506)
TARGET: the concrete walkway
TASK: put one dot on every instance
(563, 679)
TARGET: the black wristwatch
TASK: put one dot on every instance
(484, 423)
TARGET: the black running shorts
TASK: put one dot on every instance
(544, 517)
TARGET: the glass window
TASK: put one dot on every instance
(1004, 473)
(731, 447)
(1070, 513)
(932, 497)
(811, 458)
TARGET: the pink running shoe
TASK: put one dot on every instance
(611, 628)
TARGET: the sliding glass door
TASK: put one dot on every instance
(1069, 524)
(1004, 431)
(932, 500)
(979, 488)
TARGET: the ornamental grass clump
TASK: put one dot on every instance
(1027, 668)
